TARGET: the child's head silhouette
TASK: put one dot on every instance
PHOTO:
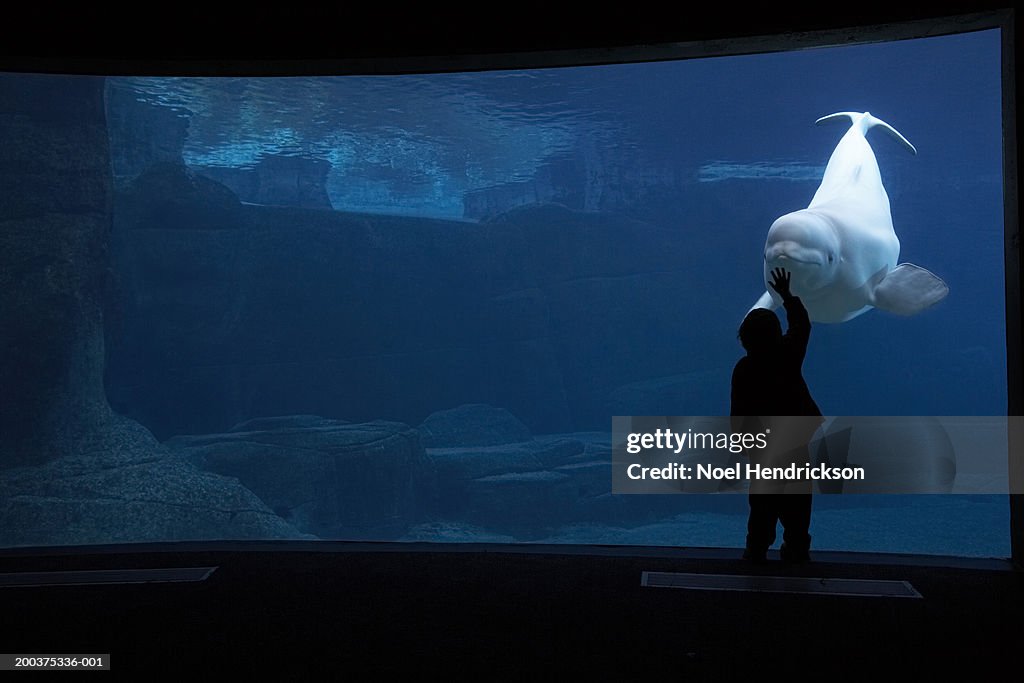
(760, 331)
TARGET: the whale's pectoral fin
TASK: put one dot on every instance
(908, 289)
(766, 301)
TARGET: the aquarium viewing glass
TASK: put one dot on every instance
(406, 307)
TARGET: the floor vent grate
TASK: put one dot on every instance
(105, 577)
(780, 584)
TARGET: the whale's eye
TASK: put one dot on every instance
(831, 257)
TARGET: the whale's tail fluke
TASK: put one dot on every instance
(865, 121)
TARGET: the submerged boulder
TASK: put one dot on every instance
(264, 424)
(171, 196)
(520, 488)
(124, 487)
(279, 180)
(473, 424)
(142, 132)
(525, 503)
(327, 477)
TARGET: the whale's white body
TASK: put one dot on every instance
(842, 250)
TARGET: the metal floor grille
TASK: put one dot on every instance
(105, 576)
(780, 584)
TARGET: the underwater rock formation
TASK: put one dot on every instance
(54, 225)
(171, 196)
(71, 470)
(277, 180)
(594, 177)
(454, 466)
(141, 133)
(327, 477)
(375, 481)
(120, 486)
(319, 311)
(551, 481)
(267, 424)
(543, 310)
(472, 425)
(481, 484)
(560, 181)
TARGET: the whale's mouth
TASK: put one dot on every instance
(782, 259)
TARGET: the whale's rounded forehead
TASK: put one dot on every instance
(805, 230)
(800, 224)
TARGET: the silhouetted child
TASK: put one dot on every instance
(768, 382)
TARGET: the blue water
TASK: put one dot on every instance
(707, 151)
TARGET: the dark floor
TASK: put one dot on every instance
(339, 610)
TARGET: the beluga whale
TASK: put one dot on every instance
(842, 249)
